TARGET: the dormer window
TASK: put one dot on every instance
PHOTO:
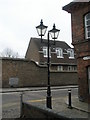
(71, 53)
(87, 26)
(45, 52)
(59, 53)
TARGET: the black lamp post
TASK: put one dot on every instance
(41, 29)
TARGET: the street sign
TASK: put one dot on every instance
(13, 81)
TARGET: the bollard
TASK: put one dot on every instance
(69, 99)
(21, 104)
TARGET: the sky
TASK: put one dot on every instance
(19, 18)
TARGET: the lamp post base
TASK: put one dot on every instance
(49, 102)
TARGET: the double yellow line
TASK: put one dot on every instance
(40, 100)
(29, 101)
(17, 103)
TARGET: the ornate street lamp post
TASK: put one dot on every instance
(41, 29)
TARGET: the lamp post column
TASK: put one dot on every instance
(49, 103)
(41, 29)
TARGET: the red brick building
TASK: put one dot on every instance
(80, 20)
(62, 56)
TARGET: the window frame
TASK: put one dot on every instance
(71, 53)
(87, 32)
(46, 50)
(72, 68)
(60, 68)
(59, 52)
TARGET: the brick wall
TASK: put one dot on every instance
(83, 80)
(64, 78)
(32, 51)
(31, 74)
(78, 30)
(82, 48)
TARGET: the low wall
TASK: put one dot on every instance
(28, 73)
(32, 111)
(31, 74)
(63, 78)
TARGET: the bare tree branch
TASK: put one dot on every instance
(7, 52)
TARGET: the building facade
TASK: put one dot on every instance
(80, 20)
(62, 56)
(32, 70)
(27, 73)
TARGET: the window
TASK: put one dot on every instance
(72, 68)
(45, 52)
(87, 26)
(71, 53)
(69, 68)
(60, 68)
(59, 53)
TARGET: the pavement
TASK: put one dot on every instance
(79, 109)
(4, 90)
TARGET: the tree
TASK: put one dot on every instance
(7, 52)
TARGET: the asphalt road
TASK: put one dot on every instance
(11, 100)
(13, 97)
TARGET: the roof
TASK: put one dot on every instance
(61, 44)
(75, 5)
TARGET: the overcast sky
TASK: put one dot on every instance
(18, 19)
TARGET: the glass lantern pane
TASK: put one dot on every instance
(54, 35)
(43, 31)
(39, 31)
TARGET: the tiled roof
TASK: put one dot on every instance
(60, 44)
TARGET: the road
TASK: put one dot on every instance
(11, 100)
